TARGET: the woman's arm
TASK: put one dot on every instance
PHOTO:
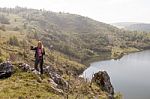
(43, 51)
(32, 48)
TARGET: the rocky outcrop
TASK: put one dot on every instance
(6, 69)
(61, 83)
(25, 67)
(56, 79)
(102, 79)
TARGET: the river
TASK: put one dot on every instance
(129, 75)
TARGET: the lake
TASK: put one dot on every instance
(129, 75)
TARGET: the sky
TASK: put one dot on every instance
(108, 11)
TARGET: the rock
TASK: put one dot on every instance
(25, 67)
(52, 82)
(54, 87)
(36, 72)
(56, 90)
(61, 83)
(6, 69)
(102, 79)
(50, 71)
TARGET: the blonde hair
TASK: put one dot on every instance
(41, 45)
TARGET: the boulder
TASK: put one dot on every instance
(25, 67)
(6, 69)
(102, 79)
(61, 83)
(54, 87)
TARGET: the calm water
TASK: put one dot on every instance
(130, 75)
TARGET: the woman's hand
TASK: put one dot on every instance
(31, 47)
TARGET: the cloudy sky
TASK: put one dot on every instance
(108, 11)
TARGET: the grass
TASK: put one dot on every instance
(26, 85)
(118, 52)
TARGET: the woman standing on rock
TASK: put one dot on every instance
(39, 53)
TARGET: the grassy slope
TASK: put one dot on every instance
(28, 85)
(25, 85)
(73, 38)
(80, 38)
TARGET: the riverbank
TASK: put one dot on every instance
(116, 53)
(130, 70)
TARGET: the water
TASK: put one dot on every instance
(129, 75)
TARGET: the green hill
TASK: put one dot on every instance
(78, 37)
(70, 41)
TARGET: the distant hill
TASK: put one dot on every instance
(133, 26)
(123, 24)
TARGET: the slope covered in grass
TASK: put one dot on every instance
(23, 85)
(78, 37)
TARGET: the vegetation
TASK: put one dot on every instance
(69, 40)
(79, 37)
(29, 85)
(13, 41)
(4, 19)
(132, 26)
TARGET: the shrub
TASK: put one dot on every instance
(13, 41)
(2, 59)
(16, 28)
(2, 27)
(4, 20)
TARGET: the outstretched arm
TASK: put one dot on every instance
(32, 48)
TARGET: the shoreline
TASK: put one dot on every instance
(99, 58)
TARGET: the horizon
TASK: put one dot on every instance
(107, 11)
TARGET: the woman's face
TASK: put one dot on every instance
(39, 45)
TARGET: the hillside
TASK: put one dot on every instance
(25, 84)
(78, 37)
(139, 27)
(70, 41)
(142, 27)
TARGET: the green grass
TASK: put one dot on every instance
(23, 85)
(26, 85)
(118, 52)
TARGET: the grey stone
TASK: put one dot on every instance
(102, 79)
(6, 69)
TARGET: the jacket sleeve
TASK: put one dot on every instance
(33, 48)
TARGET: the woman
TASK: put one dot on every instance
(39, 53)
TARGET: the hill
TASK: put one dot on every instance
(78, 37)
(25, 83)
(132, 26)
(70, 41)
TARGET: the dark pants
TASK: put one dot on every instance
(39, 61)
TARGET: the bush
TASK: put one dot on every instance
(13, 41)
(2, 59)
(16, 29)
(4, 20)
(2, 27)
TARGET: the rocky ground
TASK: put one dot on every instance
(23, 82)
